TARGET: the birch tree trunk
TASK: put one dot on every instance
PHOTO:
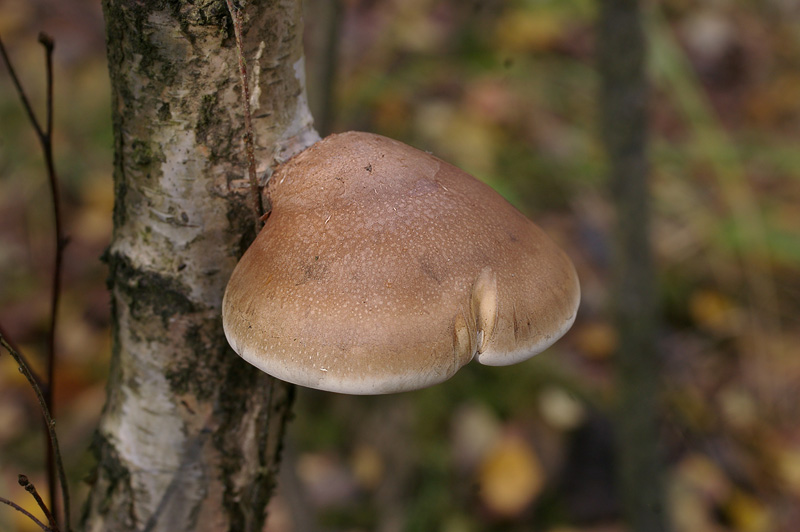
(190, 435)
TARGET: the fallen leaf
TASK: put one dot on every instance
(510, 477)
(561, 409)
(596, 340)
(367, 466)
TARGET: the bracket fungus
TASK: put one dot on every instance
(382, 268)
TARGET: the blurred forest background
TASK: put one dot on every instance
(507, 90)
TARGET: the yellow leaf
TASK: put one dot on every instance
(713, 311)
(748, 514)
(596, 340)
(521, 31)
(788, 469)
(367, 466)
(511, 476)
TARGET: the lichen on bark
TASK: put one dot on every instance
(190, 434)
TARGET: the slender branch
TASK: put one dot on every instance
(59, 245)
(255, 193)
(4, 332)
(46, 140)
(23, 97)
(49, 45)
(30, 516)
(51, 427)
(30, 488)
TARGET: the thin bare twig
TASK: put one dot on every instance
(30, 488)
(4, 332)
(25, 103)
(60, 244)
(255, 193)
(45, 136)
(25, 512)
(51, 427)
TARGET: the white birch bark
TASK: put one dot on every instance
(190, 435)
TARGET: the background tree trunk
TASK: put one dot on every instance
(623, 107)
(190, 435)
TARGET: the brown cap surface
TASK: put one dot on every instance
(382, 269)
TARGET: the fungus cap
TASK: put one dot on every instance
(382, 268)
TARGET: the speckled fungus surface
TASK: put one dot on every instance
(382, 269)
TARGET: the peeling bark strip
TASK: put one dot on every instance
(190, 435)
